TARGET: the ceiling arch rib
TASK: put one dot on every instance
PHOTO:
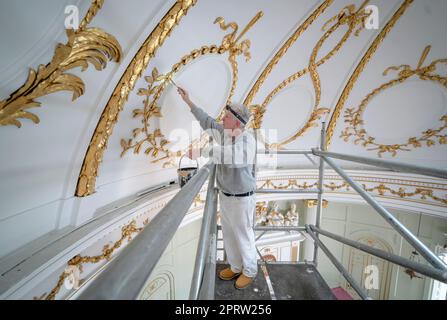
(89, 170)
(358, 70)
(351, 17)
(284, 48)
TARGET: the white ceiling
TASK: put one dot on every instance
(41, 163)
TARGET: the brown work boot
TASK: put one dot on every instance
(228, 274)
(243, 281)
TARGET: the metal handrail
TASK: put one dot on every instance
(207, 287)
(395, 223)
(338, 265)
(125, 275)
(320, 188)
(287, 191)
(406, 263)
(280, 228)
(202, 248)
(289, 151)
(439, 269)
(392, 165)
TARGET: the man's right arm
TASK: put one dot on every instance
(206, 122)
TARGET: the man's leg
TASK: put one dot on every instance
(230, 242)
(243, 229)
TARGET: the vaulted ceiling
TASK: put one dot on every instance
(305, 68)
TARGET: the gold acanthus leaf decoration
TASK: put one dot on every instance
(155, 141)
(110, 115)
(354, 116)
(84, 46)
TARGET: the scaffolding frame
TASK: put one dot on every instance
(125, 276)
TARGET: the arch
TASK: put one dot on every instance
(359, 264)
(162, 285)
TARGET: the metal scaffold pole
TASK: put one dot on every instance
(320, 188)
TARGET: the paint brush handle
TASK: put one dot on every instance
(174, 84)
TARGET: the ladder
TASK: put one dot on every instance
(126, 274)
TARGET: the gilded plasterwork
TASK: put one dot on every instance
(314, 202)
(282, 51)
(293, 184)
(354, 116)
(109, 117)
(380, 189)
(85, 45)
(154, 142)
(349, 16)
(75, 265)
(359, 69)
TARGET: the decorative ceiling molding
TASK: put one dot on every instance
(349, 16)
(155, 140)
(355, 121)
(410, 191)
(284, 48)
(84, 45)
(74, 268)
(109, 117)
(360, 67)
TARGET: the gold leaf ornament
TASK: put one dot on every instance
(429, 137)
(84, 46)
(349, 16)
(361, 66)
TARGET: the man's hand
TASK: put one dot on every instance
(185, 95)
(193, 153)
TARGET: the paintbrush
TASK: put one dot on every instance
(172, 81)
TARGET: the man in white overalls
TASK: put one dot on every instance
(235, 164)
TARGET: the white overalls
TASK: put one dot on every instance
(238, 235)
(237, 212)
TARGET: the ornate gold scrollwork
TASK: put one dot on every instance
(360, 67)
(349, 17)
(109, 117)
(354, 116)
(379, 189)
(401, 192)
(78, 261)
(282, 51)
(84, 45)
(156, 143)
